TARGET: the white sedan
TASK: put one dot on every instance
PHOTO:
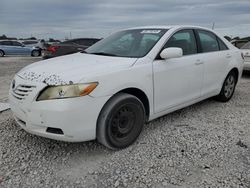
(133, 76)
(246, 53)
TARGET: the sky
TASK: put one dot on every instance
(98, 18)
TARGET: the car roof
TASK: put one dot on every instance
(169, 27)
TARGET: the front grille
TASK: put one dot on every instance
(22, 91)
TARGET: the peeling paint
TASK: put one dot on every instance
(42, 77)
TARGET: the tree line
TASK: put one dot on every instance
(4, 37)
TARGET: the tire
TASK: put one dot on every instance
(1, 53)
(228, 88)
(120, 121)
(35, 53)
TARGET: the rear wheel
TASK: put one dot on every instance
(228, 88)
(121, 121)
(1, 53)
(35, 53)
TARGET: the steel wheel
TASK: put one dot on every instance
(123, 121)
(120, 121)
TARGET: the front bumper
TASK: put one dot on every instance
(75, 117)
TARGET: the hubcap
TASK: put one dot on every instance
(229, 86)
(123, 122)
(35, 53)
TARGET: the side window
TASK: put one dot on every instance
(208, 41)
(7, 43)
(222, 45)
(14, 43)
(184, 39)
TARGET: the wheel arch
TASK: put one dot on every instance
(141, 96)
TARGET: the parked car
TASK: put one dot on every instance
(133, 76)
(32, 43)
(8, 47)
(246, 53)
(239, 43)
(68, 47)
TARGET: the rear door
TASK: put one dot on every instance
(215, 55)
(178, 80)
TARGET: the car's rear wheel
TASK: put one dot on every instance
(228, 87)
(1, 53)
(35, 53)
(120, 121)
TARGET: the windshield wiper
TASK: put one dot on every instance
(103, 53)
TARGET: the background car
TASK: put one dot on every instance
(30, 43)
(8, 47)
(246, 53)
(239, 43)
(68, 47)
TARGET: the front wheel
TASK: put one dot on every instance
(120, 121)
(228, 88)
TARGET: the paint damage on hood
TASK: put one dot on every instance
(42, 77)
(73, 68)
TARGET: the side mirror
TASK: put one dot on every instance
(171, 52)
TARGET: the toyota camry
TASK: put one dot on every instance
(110, 90)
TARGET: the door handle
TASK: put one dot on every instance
(228, 56)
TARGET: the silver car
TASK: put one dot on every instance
(8, 47)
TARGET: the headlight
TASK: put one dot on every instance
(66, 91)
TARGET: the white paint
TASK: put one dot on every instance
(4, 106)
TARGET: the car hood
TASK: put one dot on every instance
(73, 68)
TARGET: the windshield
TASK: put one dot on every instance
(246, 46)
(130, 43)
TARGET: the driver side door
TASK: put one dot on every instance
(178, 80)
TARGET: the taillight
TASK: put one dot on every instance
(52, 48)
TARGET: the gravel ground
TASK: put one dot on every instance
(205, 145)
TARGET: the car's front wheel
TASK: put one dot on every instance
(120, 121)
(1, 53)
(228, 87)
